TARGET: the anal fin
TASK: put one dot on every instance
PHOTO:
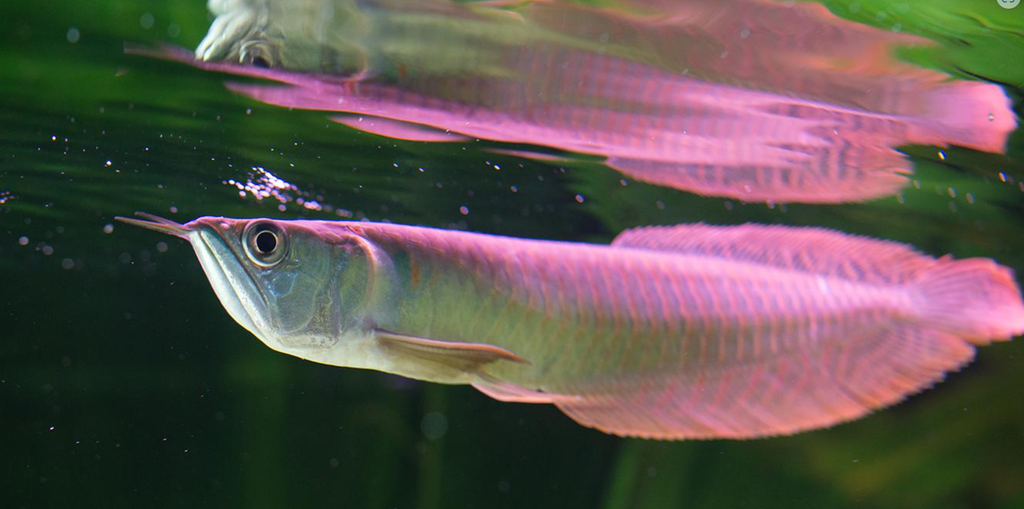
(788, 393)
(511, 393)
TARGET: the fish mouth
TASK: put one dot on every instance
(234, 286)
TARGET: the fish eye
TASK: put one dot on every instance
(259, 61)
(265, 243)
(257, 53)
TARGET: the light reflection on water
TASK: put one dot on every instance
(707, 97)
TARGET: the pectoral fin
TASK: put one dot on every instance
(398, 129)
(465, 357)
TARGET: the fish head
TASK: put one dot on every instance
(281, 280)
(304, 36)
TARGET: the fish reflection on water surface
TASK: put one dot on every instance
(747, 99)
(690, 331)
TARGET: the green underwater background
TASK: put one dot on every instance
(123, 383)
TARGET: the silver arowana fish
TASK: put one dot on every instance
(677, 332)
(754, 100)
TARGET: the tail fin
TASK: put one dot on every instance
(969, 113)
(975, 299)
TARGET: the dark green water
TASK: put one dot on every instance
(123, 383)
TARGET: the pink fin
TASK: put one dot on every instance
(511, 393)
(863, 173)
(976, 299)
(398, 129)
(529, 154)
(796, 391)
(972, 114)
(809, 250)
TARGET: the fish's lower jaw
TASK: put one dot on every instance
(349, 350)
(361, 351)
(221, 282)
(305, 342)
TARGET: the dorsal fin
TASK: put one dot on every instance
(809, 250)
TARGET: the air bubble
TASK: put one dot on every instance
(434, 425)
